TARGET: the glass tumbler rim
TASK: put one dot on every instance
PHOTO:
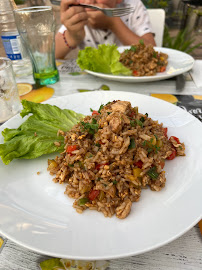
(33, 9)
(7, 61)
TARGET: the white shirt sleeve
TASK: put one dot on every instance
(139, 20)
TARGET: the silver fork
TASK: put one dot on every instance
(111, 12)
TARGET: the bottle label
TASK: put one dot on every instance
(12, 47)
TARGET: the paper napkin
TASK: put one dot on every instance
(196, 73)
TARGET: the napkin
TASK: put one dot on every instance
(196, 73)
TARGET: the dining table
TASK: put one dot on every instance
(185, 252)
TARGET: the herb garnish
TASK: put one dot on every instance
(92, 127)
(153, 173)
(101, 107)
(133, 48)
(132, 143)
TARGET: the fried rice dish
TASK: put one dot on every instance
(144, 60)
(111, 155)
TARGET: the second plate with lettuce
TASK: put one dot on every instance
(104, 63)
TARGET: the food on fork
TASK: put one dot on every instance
(111, 155)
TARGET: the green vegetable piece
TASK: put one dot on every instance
(92, 127)
(84, 90)
(98, 144)
(114, 182)
(105, 87)
(141, 41)
(36, 136)
(139, 123)
(133, 48)
(101, 107)
(153, 173)
(142, 119)
(83, 201)
(75, 73)
(132, 123)
(132, 143)
(104, 59)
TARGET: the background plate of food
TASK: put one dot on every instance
(35, 212)
(144, 63)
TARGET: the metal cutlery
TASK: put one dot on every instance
(111, 12)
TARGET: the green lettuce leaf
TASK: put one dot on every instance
(38, 134)
(105, 59)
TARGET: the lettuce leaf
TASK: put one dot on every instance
(37, 135)
(105, 59)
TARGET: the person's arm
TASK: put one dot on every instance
(98, 20)
(74, 19)
(126, 36)
(61, 49)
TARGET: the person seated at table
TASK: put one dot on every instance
(88, 27)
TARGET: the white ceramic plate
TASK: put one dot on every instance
(178, 63)
(35, 213)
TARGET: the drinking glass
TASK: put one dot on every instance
(9, 98)
(36, 26)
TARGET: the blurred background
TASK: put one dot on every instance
(183, 24)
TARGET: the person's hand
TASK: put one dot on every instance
(98, 20)
(74, 19)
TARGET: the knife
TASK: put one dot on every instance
(180, 82)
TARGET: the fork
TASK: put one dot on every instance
(111, 12)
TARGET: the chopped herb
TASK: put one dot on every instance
(142, 119)
(157, 148)
(144, 143)
(153, 173)
(154, 55)
(139, 123)
(98, 144)
(130, 62)
(133, 48)
(99, 178)
(132, 143)
(109, 113)
(80, 164)
(71, 165)
(141, 41)
(83, 201)
(149, 150)
(132, 123)
(146, 114)
(105, 185)
(101, 107)
(94, 121)
(91, 110)
(92, 128)
(114, 182)
(155, 136)
(108, 103)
